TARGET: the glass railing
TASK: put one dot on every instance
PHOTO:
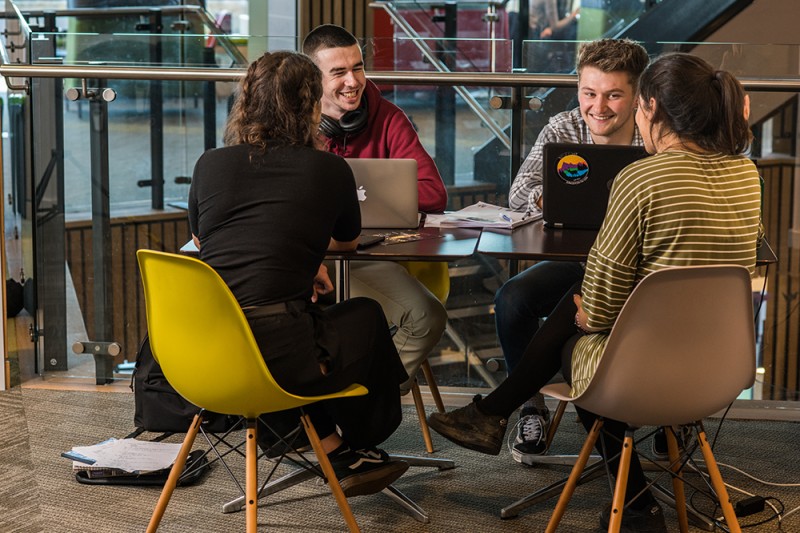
(81, 171)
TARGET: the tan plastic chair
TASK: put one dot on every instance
(682, 349)
(204, 344)
(434, 275)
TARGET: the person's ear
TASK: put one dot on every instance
(649, 110)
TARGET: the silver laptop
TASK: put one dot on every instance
(387, 192)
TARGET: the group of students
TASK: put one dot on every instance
(695, 201)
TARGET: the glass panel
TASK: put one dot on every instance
(467, 129)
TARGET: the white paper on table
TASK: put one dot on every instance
(485, 215)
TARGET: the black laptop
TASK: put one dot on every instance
(577, 181)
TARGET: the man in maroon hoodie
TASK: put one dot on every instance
(357, 121)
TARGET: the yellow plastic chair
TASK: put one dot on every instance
(202, 340)
(682, 349)
(435, 277)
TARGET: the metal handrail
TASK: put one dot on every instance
(399, 77)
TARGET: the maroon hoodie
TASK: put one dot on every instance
(389, 134)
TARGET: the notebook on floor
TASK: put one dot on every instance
(577, 181)
(387, 192)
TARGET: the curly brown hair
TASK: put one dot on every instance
(276, 102)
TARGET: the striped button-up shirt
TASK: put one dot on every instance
(565, 127)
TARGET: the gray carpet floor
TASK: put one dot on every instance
(39, 492)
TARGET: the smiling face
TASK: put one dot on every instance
(343, 79)
(607, 102)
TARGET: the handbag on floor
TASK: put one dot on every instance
(158, 407)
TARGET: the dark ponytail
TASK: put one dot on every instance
(697, 103)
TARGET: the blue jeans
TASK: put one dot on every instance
(526, 298)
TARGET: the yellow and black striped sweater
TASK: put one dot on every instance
(671, 209)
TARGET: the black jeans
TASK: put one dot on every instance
(550, 351)
(352, 339)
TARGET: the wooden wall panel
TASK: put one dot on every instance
(165, 231)
(355, 15)
(781, 342)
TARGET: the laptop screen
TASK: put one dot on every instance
(387, 192)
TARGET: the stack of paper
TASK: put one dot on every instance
(124, 455)
(483, 215)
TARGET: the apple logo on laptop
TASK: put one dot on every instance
(362, 193)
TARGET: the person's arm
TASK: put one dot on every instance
(322, 283)
(342, 246)
(555, 24)
(613, 260)
(192, 211)
(404, 143)
(346, 231)
(526, 190)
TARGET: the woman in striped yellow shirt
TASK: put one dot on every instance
(695, 201)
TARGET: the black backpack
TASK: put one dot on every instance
(158, 407)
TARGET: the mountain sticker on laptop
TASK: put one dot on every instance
(572, 168)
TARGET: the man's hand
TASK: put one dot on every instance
(322, 283)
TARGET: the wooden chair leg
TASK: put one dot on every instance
(717, 484)
(327, 469)
(677, 479)
(432, 386)
(251, 477)
(618, 504)
(423, 422)
(554, 422)
(174, 474)
(574, 475)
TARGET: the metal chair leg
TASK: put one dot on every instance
(432, 462)
(175, 473)
(408, 504)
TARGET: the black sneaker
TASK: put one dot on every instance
(470, 428)
(660, 450)
(650, 519)
(365, 471)
(531, 438)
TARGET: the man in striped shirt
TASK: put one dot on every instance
(608, 70)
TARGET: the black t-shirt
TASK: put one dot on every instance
(265, 225)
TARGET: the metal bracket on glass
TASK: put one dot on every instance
(505, 102)
(111, 349)
(85, 93)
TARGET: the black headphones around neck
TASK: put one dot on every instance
(351, 122)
